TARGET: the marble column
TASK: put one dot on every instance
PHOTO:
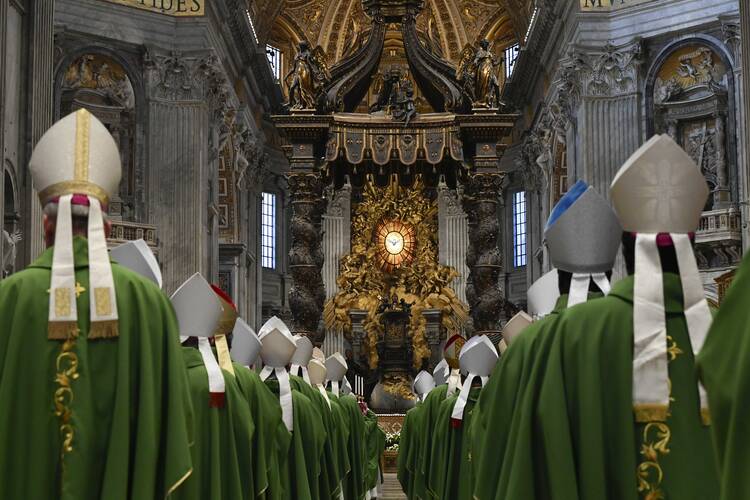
(336, 244)
(484, 258)
(307, 294)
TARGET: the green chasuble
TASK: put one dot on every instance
(507, 401)
(301, 467)
(451, 460)
(424, 429)
(354, 484)
(222, 451)
(724, 365)
(375, 447)
(330, 482)
(584, 421)
(407, 450)
(91, 418)
(270, 434)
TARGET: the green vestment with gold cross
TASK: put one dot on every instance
(87, 418)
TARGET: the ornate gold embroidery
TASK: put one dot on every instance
(67, 372)
(102, 298)
(63, 302)
(83, 127)
(656, 437)
(672, 349)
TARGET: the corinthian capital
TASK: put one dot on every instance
(607, 70)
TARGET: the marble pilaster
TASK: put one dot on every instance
(40, 37)
(453, 237)
(745, 103)
(336, 244)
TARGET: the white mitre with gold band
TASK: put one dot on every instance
(659, 194)
(77, 163)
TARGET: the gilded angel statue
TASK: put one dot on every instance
(307, 78)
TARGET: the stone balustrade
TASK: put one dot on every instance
(123, 231)
(719, 225)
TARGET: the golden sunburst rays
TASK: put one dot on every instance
(395, 243)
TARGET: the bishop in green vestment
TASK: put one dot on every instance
(451, 466)
(582, 237)
(222, 452)
(270, 435)
(424, 427)
(354, 483)
(375, 447)
(125, 401)
(724, 369)
(620, 409)
(93, 392)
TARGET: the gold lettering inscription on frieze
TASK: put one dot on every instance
(600, 5)
(180, 8)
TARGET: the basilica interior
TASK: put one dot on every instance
(377, 173)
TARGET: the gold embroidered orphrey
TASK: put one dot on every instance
(656, 437)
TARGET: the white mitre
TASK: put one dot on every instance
(478, 358)
(198, 312)
(441, 372)
(245, 344)
(302, 355)
(76, 162)
(423, 384)
(660, 191)
(337, 367)
(542, 295)
(512, 328)
(278, 347)
(316, 370)
(582, 237)
(137, 256)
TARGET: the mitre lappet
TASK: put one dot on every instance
(477, 359)
(199, 311)
(582, 237)
(75, 168)
(346, 387)
(440, 372)
(137, 256)
(423, 384)
(659, 194)
(245, 344)
(336, 367)
(451, 353)
(277, 348)
(542, 295)
(301, 358)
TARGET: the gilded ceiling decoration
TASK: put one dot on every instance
(339, 25)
